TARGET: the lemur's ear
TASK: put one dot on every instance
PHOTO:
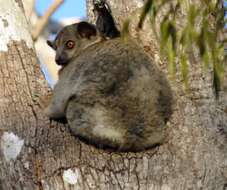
(51, 44)
(86, 30)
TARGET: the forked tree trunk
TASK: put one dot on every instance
(35, 154)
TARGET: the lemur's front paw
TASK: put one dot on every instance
(48, 112)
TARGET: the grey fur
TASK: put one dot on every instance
(113, 96)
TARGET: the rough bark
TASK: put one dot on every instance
(28, 8)
(193, 157)
(21, 82)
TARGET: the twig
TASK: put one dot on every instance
(42, 22)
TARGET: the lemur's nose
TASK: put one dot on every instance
(60, 60)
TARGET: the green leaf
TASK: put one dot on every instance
(192, 15)
(201, 43)
(171, 58)
(125, 29)
(147, 7)
(184, 70)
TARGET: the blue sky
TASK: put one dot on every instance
(70, 8)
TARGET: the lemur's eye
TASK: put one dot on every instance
(70, 44)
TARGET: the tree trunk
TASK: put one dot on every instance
(28, 8)
(195, 155)
(36, 154)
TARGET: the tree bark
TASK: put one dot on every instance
(195, 154)
(28, 8)
(36, 154)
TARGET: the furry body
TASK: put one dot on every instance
(113, 96)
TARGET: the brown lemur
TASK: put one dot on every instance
(110, 92)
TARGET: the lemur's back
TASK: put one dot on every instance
(115, 97)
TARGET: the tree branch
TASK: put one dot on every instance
(44, 19)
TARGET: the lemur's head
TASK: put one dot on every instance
(71, 40)
(99, 3)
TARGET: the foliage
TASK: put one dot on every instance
(196, 37)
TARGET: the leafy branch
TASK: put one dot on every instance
(197, 39)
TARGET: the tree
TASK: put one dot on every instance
(36, 154)
(40, 27)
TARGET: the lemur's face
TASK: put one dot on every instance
(70, 40)
(99, 3)
(65, 45)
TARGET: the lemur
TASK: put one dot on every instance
(110, 92)
(105, 22)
